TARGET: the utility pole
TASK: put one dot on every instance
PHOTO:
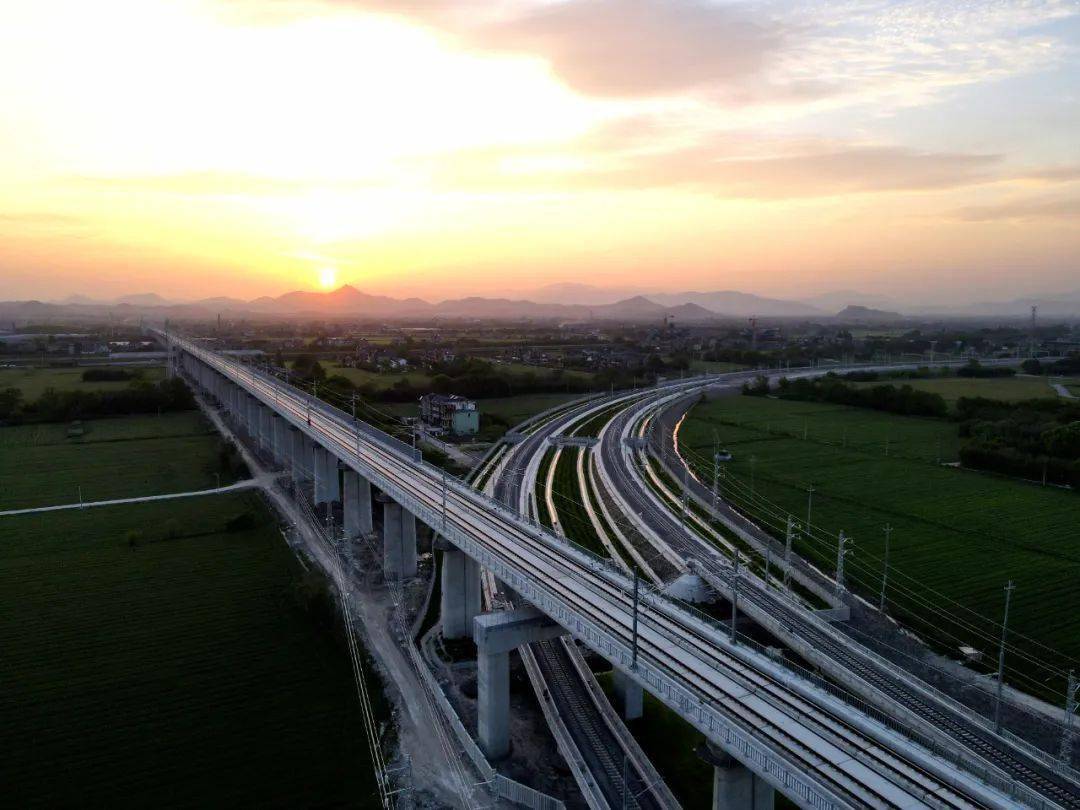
(715, 476)
(354, 406)
(685, 493)
(809, 504)
(789, 538)
(753, 465)
(1001, 657)
(1034, 314)
(444, 503)
(633, 637)
(1070, 710)
(842, 551)
(735, 597)
(885, 570)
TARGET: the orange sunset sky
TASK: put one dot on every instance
(929, 151)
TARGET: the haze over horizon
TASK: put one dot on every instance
(915, 151)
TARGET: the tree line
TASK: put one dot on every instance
(64, 406)
(833, 389)
(1037, 439)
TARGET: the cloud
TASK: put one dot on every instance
(45, 219)
(743, 54)
(1025, 210)
(726, 165)
(212, 183)
(612, 48)
(639, 47)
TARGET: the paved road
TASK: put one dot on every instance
(1063, 391)
(250, 483)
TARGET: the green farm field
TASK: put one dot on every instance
(714, 367)
(543, 371)
(360, 376)
(958, 535)
(115, 458)
(179, 672)
(34, 382)
(1009, 389)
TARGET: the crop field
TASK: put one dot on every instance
(958, 535)
(115, 458)
(1010, 389)
(33, 382)
(714, 367)
(180, 670)
(543, 371)
(361, 376)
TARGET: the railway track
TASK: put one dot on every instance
(992, 749)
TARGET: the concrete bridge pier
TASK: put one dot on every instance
(308, 466)
(279, 434)
(496, 634)
(356, 504)
(321, 479)
(629, 696)
(332, 476)
(251, 417)
(399, 541)
(459, 600)
(295, 452)
(736, 787)
(262, 419)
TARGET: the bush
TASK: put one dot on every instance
(759, 387)
(976, 369)
(65, 406)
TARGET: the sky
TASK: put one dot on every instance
(925, 151)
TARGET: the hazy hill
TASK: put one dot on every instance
(143, 300)
(739, 304)
(855, 312)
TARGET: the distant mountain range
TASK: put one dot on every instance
(347, 301)
(566, 302)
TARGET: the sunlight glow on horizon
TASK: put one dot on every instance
(328, 278)
(203, 146)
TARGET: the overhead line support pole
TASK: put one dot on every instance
(1001, 657)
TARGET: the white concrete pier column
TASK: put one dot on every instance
(392, 562)
(493, 703)
(629, 695)
(496, 634)
(356, 504)
(736, 787)
(459, 599)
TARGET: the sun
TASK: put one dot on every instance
(327, 277)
